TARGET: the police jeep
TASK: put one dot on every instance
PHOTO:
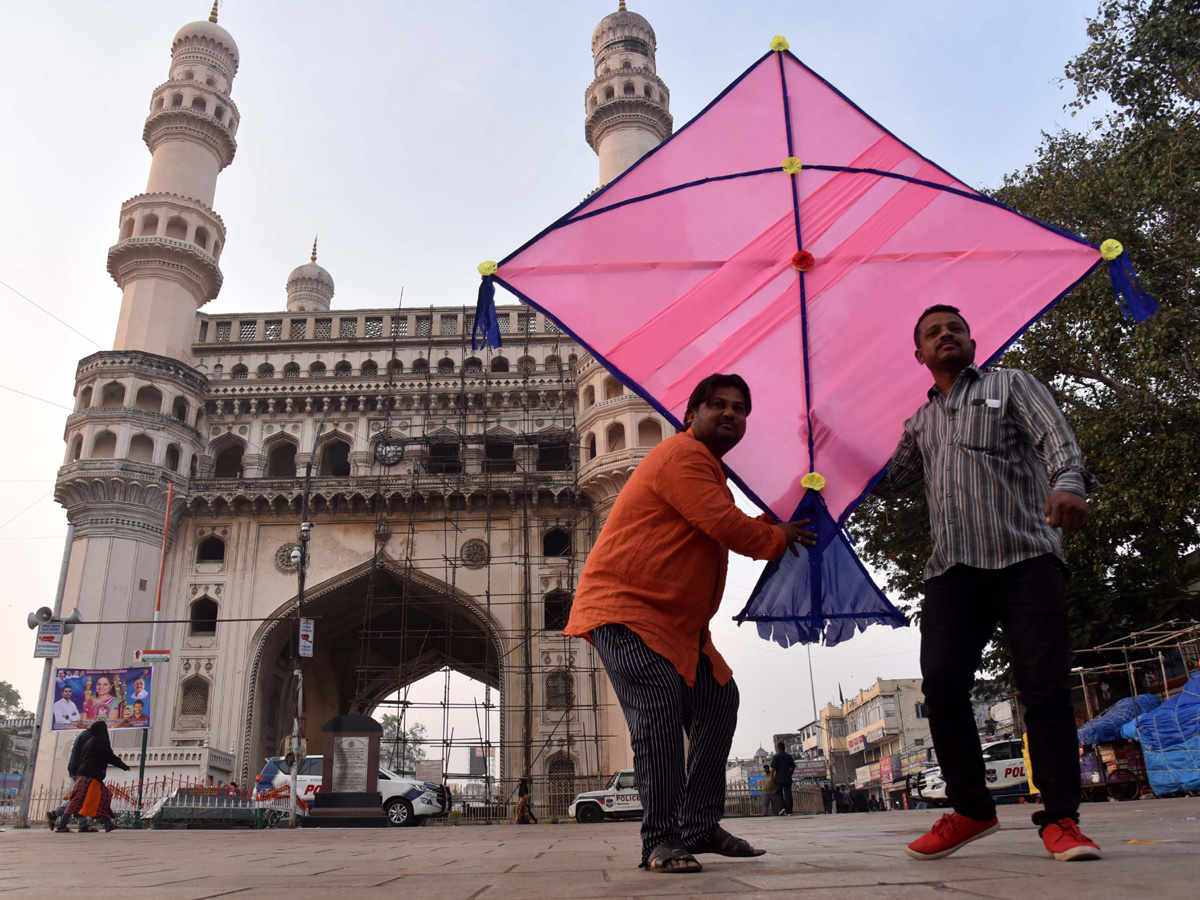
(618, 800)
(1004, 769)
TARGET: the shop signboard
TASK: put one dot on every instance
(856, 743)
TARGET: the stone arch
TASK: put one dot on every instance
(499, 364)
(342, 369)
(281, 456)
(211, 550)
(227, 452)
(177, 228)
(201, 238)
(556, 609)
(650, 432)
(149, 398)
(113, 394)
(171, 459)
(202, 617)
(199, 104)
(610, 93)
(85, 398)
(560, 690)
(433, 610)
(370, 369)
(141, 449)
(127, 228)
(612, 388)
(560, 783)
(104, 446)
(316, 370)
(149, 225)
(334, 457)
(266, 372)
(76, 448)
(195, 696)
(556, 542)
(589, 397)
(614, 438)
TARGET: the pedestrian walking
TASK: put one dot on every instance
(784, 767)
(91, 797)
(843, 799)
(1004, 478)
(72, 773)
(525, 814)
(649, 588)
(768, 792)
(827, 797)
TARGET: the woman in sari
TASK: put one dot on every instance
(90, 797)
(103, 705)
(525, 814)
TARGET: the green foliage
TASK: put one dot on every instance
(401, 748)
(1131, 391)
(10, 700)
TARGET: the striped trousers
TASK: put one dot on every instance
(680, 802)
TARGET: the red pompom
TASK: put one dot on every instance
(803, 261)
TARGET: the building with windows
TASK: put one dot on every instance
(454, 493)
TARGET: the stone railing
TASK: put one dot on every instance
(132, 413)
(111, 362)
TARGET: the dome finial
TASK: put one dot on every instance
(620, 6)
(212, 16)
(313, 258)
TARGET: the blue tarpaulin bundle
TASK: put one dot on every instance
(1170, 738)
(1107, 725)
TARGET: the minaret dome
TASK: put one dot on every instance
(309, 287)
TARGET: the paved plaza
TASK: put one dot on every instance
(1152, 850)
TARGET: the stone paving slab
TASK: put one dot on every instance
(1152, 850)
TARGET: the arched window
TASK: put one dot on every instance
(211, 549)
(127, 229)
(201, 238)
(193, 697)
(615, 437)
(499, 364)
(172, 460)
(176, 100)
(556, 542)
(229, 462)
(149, 225)
(218, 371)
(158, 104)
(591, 446)
(526, 365)
(498, 456)
(561, 786)
(239, 373)
(179, 409)
(445, 367)
(395, 367)
(552, 364)
(141, 449)
(472, 366)
(199, 105)
(291, 371)
(342, 369)
(220, 113)
(203, 618)
(649, 433)
(628, 89)
(193, 467)
(594, 102)
(316, 370)
(177, 228)
(77, 448)
(647, 93)
(281, 463)
(560, 690)
(589, 396)
(85, 398)
(610, 93)
(556, 609)
(370, 369)
(114, 395)
(266, 372)
(104, 446)
(612, 388)
(421, 365)
(335, 459)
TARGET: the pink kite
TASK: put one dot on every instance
(785, 235)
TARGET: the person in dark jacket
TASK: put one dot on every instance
(525, 814)
(72, 773)
(783, 766)
(90, 796)
(827, 797)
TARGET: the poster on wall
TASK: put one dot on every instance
(118, 697)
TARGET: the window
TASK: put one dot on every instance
(499, 364)
(323, 329)
(266, 372)
(589, 397)
(615, 437)
(203, 330)
(647, 93)
(370, 369)
(297, 329)
(498, 457)
(229, 462)
(399, 326)
(179, 409)
(141, 449)
(77, 448)
(612, 388)
(552, 364)
(556, 542)
(561, 772)
(223, 330)
(247, 331)
(281, 463)
(291, 371)
(347, 328)
(395, 367)
(172, 461)
(610, 93)
(591, 447)
(553, 457)
(526, 323)
(201, 238)
(449, 325)
(149, 399)
(335, 459)
(445, 367)
(211, 549)
(921, 711)
(423, 326)
(104, 446)
(177, 100)
(628, 90)
(113, 395)
(199, 105)
(444, 459)
(649, 433)
(472, 366)
(273, 329)
(556, 609)
(239, 373)
(560, 690)
(193, 700)
(374, 327)
(421, 365)
(203, 618)
(316, 370)
(504, 320)
(342, 369)
(526, 365)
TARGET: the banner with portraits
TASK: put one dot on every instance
(118, 697)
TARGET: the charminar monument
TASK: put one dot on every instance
(454, 494)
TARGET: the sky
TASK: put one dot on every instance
(418, 139)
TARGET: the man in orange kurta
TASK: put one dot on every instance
(651, 585)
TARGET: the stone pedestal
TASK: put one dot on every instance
(349, 795)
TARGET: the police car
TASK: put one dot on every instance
(619, 799)
(405, 801)
(1004, 770)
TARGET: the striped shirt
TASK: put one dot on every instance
(990, 453)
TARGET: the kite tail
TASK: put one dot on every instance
(485, 315)
(1135, 302)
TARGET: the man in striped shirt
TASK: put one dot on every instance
(1004, 477)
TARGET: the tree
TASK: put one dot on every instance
(1131, 391)
(10, 706)
(402, 748)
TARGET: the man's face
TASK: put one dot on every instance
(721, 418)
(137, 707)
(138, 685)
(945, 342)
(67, 693)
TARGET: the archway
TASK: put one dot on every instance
(378, 629)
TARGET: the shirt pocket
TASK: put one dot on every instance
(981, 427)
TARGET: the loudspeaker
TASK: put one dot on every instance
(41, 617)
(71, 621)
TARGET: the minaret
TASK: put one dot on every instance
(170, 241)
(627, 104)
(309, 287)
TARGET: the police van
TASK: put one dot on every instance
(618, 800)
(1004, 770)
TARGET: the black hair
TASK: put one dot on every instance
(936, 308)
(702, 392)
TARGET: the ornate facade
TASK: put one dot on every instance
(454, 494)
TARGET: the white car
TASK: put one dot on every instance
(405, 800)
(619, 799)
(1004, 771)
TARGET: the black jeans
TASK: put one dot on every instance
(783, 796)
(958, 619)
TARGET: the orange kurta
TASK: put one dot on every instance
(659, 565)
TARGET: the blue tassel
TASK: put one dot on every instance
(485, 315)
(1135, 303)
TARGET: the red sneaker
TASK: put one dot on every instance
(1066, 842)
(949, 833)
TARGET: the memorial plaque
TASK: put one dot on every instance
(350, 764)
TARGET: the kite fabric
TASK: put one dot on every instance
(786, 236)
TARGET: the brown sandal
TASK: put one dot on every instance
(672, 856)
(723, 843)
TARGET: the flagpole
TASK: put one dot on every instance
(162, 566)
